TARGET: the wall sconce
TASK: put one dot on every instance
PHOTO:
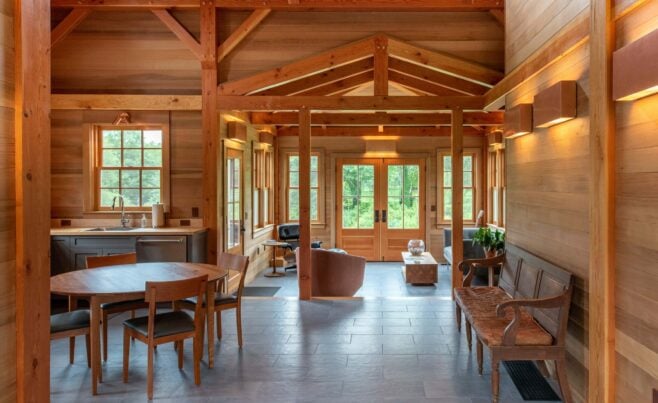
(518, 121)
(635, 69)
(236, 131)
(555, 104)
(495, 138)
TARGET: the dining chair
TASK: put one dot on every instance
(71, 324)
(174, 326)
(224, 301)
(109, 308)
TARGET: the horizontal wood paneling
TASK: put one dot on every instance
(637, 218)
(133, 52)
(531, 24)
(7, 206)
(548, 182)
(69, 132)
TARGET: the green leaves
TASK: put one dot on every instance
(488, 239)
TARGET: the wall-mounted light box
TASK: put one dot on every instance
(635, 69)
(555, 104)
(518, 121)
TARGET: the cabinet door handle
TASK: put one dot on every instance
(159, 241)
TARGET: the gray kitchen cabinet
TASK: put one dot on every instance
(69, 253)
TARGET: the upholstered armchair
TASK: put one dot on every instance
(335, 274)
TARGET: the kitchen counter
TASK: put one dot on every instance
(71, 231)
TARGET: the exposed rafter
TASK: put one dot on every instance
(436, 77)
(360, 131)
(179, 30)
(241, 32)
(377, 119)
(499, 15)
(68, 24)
(421, 85)
(345, 84)
(346, 103)
(312, 65)
(381, 65)
(320, 79)
(443, 62)
(296, 5)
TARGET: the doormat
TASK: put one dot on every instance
(260, 291)
(529, 381)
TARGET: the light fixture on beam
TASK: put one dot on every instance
(555, 104)
(495, 138)
(635, 69)
(518, 121)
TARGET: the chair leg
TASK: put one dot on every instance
(197, 343)
(88, 348)
(238, 318)
(469, 335)
(126, 354)
(458, 317)
(149, 373)
(218, 319)
(561, 369)
(71, 350)
(180, 353)
(104, 320)
(495, 380)
(479, 355)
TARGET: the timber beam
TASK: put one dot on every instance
(361, 131)
(299, 5)
(380, 118)
(68, 24)
(347, 103)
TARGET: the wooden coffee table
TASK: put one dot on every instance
(421, 269)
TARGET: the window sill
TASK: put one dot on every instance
(118, 212)
(258, 232)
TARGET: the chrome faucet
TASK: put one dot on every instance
(124, 219)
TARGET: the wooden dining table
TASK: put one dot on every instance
(127, 282)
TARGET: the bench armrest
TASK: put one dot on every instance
(509, 337)
(472, 264)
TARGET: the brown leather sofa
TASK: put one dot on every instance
(335, 274)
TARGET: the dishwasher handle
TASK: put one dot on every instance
(179, 240)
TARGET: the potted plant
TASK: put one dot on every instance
(491, 241)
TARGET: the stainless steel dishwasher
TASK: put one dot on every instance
(161, 249)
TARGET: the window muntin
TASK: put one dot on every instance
(130, 161)
(263, 188)
(469, 187)
(292, 187)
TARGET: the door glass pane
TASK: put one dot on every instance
(447, 204)
(314, 205)
(358, 204)
(234, 194)
(403, 197)
(293, 204)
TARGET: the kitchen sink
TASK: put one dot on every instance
(100, 229)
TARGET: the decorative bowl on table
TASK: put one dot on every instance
(416, 247)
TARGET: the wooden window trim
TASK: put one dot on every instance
(477, 184)
(321, 186)
(496, 181)
(262, 179)
(91, 167)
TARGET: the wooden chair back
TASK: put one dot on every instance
(235, 262)
(111, 260)
(169, 291)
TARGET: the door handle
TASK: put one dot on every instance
(242, 228)
(376, 215)
(384, 215)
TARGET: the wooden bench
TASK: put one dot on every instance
(523, 318)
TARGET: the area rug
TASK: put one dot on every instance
(529, 381)
(260, 291)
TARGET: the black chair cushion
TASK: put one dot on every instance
(127, 305)
(220, 299)
(62, 322)
(166, 324)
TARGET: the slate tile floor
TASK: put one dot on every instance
(396, 349)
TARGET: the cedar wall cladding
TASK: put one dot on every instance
(548, 170)
(637, 219)
(7, 208)
(70, 129)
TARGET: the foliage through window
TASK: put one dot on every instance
(469, 187)
(358, 196)
(263, 187)
(130, 162)
(292, 187)
(403, 197)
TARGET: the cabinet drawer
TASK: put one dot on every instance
(161, 249)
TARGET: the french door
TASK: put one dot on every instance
(380, 206)
(233, 201)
